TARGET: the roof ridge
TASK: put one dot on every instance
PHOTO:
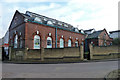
(89, 29)
(114, 31)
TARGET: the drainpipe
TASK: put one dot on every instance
(56, 37)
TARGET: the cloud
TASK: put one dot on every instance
(102, 14)
(33, 1)
(87, 14)
(43, 7)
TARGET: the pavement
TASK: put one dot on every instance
(56, 62)
(93, 69)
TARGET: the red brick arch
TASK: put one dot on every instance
(47, 35)
(59, 41)
(35, 33)
(75, 41)
(71, 41)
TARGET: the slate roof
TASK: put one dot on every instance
(31, 16)
(26, 16)
(88, 30)
(114, 31)
(94, 34)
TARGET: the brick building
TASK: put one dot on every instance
(99, 38)
(33, 31)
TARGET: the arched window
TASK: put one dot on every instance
(76, 43)
(61, 43)
(36, 42)
(15, 41)
(69, 43)
(21, 42)
(49, 42)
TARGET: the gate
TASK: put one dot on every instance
(86, 50)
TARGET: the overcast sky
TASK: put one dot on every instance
(98, 14)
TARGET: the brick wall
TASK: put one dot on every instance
(67, 35)
(32, 28)
(53, 53)
(17, 54)
(62, 52)
(104, 52)
(34, 54)
(43, 33)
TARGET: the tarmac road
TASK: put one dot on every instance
(68, 70)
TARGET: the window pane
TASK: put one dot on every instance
(49, 42)
(69, 43)
(61, 43)
(36, 42)
(15, 41)
(20, 42)
(76, 44)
